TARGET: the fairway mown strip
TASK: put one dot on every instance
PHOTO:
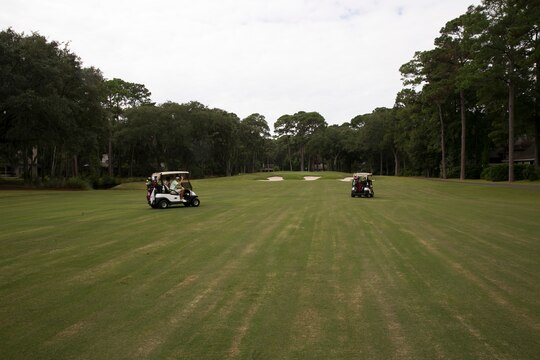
(290, 269)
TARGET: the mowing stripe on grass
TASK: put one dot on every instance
(291, 269)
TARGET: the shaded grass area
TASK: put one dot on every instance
(268, 270)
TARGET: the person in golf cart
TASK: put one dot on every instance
(362, 185)
(167, 183)
(355, 183)
(176, 186)
(359, 183)
(365, 182)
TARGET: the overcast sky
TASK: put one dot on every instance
(340, 58)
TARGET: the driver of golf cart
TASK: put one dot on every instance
(362, 185)
(176, 186)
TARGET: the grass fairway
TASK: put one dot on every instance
(273, 270)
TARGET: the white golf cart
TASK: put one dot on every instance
(160, 196)
(362, 185)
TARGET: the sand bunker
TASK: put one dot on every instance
(279, 178)
(274, 178)
(347, 179)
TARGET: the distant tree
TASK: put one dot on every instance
(224, 134)
(376, 126)
(121, 95)
(456, 45)
(505, 45)
(432, 71)
(254, 132)
(285, 127)
(307, 124)
(89, 121)
(531, 18)
(331, 145)
(298, 128)
(400, 122)
(144, 135)
(49, 104)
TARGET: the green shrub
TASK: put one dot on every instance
(495, 173)
(77, 183)
(62, 183)
(473, 172)
(131, 180)
(486, 173)
(54, 182)
(453, 172)
(500, 172)
(531, 172)
(11, 181)
(105, 182)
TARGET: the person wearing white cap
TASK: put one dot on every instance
(176, 185)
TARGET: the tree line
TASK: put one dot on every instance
(468, 102)
(477, 91)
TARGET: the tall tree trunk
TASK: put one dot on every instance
(289, 150)
(110, 156)
(537, 115)
(463, 134)
(131, 161)
(396, 162)
(53, 162)
(302, 158)
(511, 100)
(380, 162)
(228, 170)
(443, 150)
(67, 165)
(75, 166)
(33, 160)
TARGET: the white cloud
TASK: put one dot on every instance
(340, 58)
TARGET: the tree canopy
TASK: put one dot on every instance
(470, 101)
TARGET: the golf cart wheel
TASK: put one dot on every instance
(195, 202)
(163, 204)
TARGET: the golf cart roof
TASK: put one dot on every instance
(362, 174)
(166, 173)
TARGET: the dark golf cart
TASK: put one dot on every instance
(362, 185)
